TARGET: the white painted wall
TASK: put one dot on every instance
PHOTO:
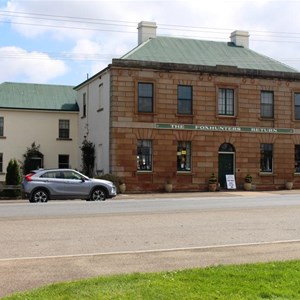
(22, 128)
(95, 126)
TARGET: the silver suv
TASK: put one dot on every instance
(42, 185)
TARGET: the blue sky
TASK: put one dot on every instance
(63, 42)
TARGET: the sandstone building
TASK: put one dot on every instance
(181, 109)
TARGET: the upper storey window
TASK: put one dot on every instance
(1, 126)
(145, 97)
(267, 104)
(185, 100)
(297, 106)
(226, 102)
(84, 105)
(64, 129)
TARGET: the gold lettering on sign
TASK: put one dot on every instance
(177, 126)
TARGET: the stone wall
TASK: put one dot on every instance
(128, 126)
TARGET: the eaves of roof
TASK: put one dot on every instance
(219, 69)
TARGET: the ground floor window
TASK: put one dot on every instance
(297, 158)
(1, 162)
(63, 161)
(144, 155)
(183, 156)
(266, 157)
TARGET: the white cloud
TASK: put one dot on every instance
(88, 34)
(66, 19)
(26, 66)
(86, 50)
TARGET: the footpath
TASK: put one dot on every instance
(224, 193)
(178, 195)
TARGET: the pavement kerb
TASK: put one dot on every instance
(178, 195)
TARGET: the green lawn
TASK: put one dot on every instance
(278, 280)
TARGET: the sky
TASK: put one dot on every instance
(67, 41)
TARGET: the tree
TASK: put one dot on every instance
(88, 157)
(12, 177)
(13, 173)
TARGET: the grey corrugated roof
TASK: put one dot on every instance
(201, 52)
(37, 96)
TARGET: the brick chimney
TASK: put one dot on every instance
(146, 30)
(240, 38)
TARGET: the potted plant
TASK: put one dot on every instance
(289, 185)
(168, 185)
(212, 183)
(248, 182)
(122, 186)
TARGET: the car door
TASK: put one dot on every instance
(75, 185)
(56, 183)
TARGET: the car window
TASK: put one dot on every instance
(49, 175)
(59, 175)
(62, 175)
(72, 175)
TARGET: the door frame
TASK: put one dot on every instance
(233, 164)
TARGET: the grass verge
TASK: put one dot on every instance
(277, 280)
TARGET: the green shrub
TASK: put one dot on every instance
(113, 178)
(88, 157)
(12, 177)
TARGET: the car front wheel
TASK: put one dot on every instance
(98, 194)
(39, 196)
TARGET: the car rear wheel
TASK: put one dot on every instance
(98, 194)
(39, 196)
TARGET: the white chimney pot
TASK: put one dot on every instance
(240, 38)
(146, 30)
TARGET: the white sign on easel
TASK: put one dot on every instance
(230, 182)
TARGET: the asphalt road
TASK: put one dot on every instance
(67, 240)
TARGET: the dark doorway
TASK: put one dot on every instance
(226, 162)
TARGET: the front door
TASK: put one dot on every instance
(226, 167)
(35, 163)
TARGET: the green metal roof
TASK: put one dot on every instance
(205, 53)
(37, 96)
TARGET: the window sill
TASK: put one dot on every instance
(185, 115)
(146, 113)
(227, 116)
(262, 173)
(64, 139)
(3, 137)
(266, 119)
